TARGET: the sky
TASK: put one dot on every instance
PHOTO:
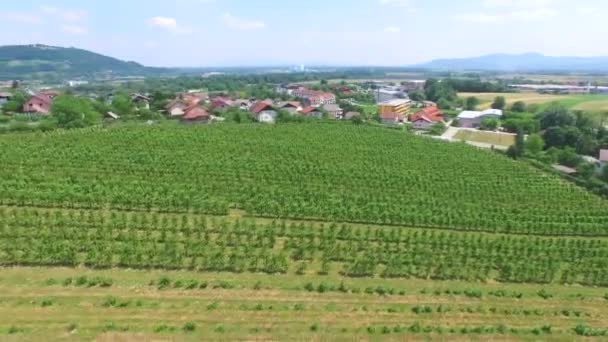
(199, 33)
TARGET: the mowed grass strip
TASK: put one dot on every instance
(281, 308)
(492, 138)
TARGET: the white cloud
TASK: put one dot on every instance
(479, 18)
(74, 29)
(22, 17)
(392, 29)
(65, 14)
(169, 24)
(512, 10)
(242, 24)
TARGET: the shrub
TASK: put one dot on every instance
(81, 281)
(46, 302)
(213, 306)
(220, 329)
(50, 282)
(257, 286)
(67, 282)
(310, 287)
(191, 284)
(298, 307)
(163, 283)
(544, 294)
(72, 327)
(189, 327)
(314, 327)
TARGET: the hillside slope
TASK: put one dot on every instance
(22, 61)
(527, 62)
(337, 173)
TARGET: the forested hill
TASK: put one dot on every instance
(26, 61)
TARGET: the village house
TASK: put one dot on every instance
(351, 115)
(195, 114)
(243, 104)
(40, 103)
(473, 119)
(177, 107)
(287, 88)
(290, 106)
(604, 157)
(141, 101)
(314, 98)
(387, 94)
(394, 111)
(220, 103)
(426, 118)
(334, 111)
(313, 112)
(264, 112)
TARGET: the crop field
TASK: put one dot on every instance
(307, 231)
(591, 103)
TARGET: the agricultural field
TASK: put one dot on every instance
(591, 103)
(305, 231)
(492, 138)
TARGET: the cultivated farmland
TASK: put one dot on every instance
(591, 103)
(359, 232)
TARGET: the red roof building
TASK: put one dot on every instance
(261, 106)
(39, 103)
(220, 103)
(315, 98)
(195, 113)
(426, 118)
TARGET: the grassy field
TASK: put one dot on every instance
(499, 139)
(591, 103)
(59, 304)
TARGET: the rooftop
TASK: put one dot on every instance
(473, 114)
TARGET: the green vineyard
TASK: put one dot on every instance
(336, 173)
(292, 232)
(173, 241)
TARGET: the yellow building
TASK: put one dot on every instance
(394, 108)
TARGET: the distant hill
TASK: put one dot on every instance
(519, 62)
(27, 61)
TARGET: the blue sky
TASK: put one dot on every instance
(330, 32)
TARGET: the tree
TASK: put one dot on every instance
(520, 142)
(444, 104)
(122, 105)
(555, 115)
(489, 124)
(499, 103)
(74, 112)
(417, 95)
(535, 144)
(471, 103)
(15, 105)
(435, 90)
(569, 157)
(555, 137)
(604, 173)
(519, 107)
(438, 129)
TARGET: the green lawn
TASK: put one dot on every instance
(499, 139)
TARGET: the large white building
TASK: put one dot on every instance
(472, 119)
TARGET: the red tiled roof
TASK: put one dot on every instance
(429, 114)
(309, 110)
(261, 106)
(195, 112)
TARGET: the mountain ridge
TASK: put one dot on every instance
(527, 62)
(23, 61)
